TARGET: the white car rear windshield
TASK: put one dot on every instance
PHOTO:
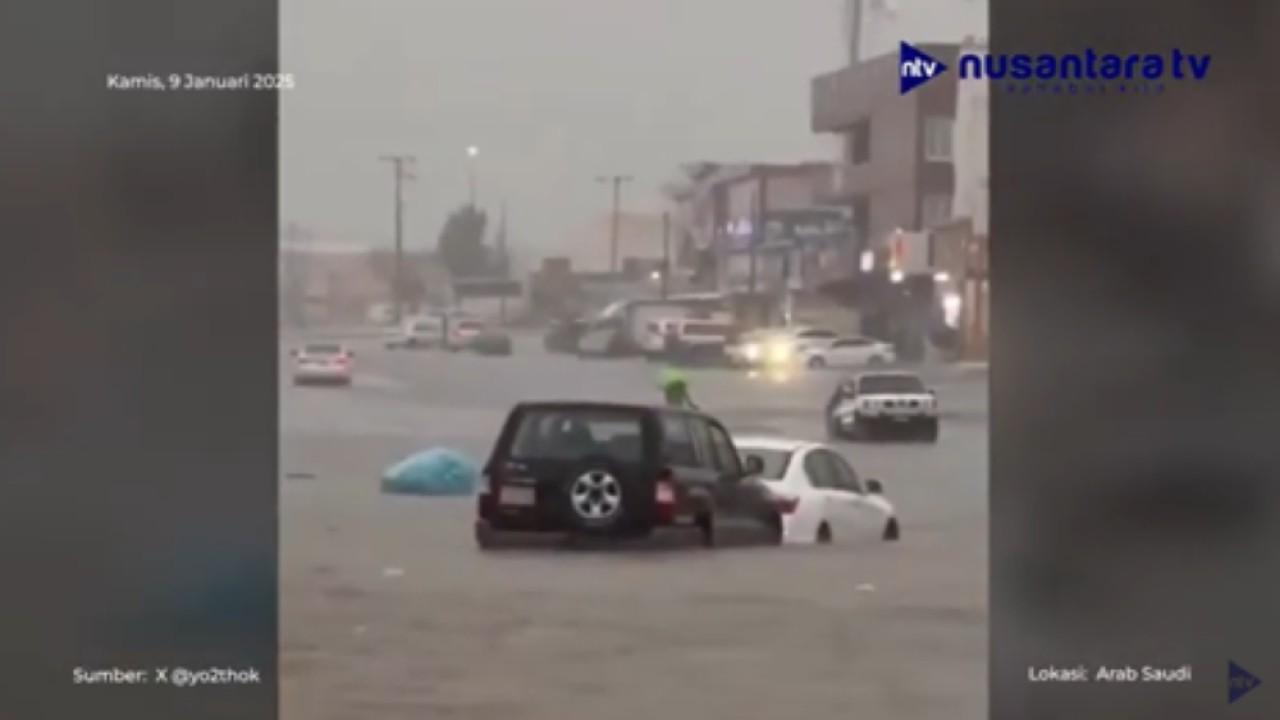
(551, 434)
(775, 462)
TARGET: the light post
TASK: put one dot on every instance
(473, 152)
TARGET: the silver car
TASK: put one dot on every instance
(322, 364)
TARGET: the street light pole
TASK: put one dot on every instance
(399, 164)
(616, 182)
(473, 152)
(666, 255)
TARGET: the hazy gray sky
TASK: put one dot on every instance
(554, 92)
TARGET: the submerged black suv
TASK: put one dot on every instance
(620, 471)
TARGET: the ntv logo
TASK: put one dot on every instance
(916, 67)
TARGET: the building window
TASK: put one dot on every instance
(861, 221)
(860, 142)
(938, 139)
(935, 209)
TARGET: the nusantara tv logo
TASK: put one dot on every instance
(1083, 73)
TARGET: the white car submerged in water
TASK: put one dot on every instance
(823, 498)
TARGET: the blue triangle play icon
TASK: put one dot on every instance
(1240, 682)
(916, 67)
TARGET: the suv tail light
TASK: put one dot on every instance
(492, 480)
(487, 498)
(664, 497)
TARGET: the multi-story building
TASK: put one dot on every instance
(721, 212)
(759, 231)
(897, 172)
(962, 246)
(972, 147)
(897, 169)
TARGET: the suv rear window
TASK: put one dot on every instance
(323, 350)
(551, 434)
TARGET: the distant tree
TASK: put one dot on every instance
(461, 243)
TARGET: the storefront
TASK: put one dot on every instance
(963, 255)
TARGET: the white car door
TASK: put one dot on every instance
(820, 474)
(813, 340)
(847, 353)
(863, 514)
(814, 504)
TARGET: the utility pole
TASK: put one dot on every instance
(855, 18)
(399, 165)
(666, 255)
(759, 236)
(504, 260)
(616, 182)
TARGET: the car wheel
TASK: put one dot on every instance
(823, 536)
(595, 494)
(776, 529)
(862, 430)
(816, 362)
(833, 430)
(706, 525)
(929, 433)
(486, 538)
(892, 532)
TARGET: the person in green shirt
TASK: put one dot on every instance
(675, 389)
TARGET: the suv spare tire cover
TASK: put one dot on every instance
(608, 468)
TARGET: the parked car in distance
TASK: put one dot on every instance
(848, 353)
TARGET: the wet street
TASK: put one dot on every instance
(389, 611)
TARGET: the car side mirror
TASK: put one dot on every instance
(753, 465)
(875, 487)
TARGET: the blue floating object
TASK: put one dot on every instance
(435, 472)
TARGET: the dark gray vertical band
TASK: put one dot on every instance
(1136, 367)
(138, 361)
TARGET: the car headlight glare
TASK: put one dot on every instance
(752, 351)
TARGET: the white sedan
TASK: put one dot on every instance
(849, 352)
(822, 496)
(322, 364)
